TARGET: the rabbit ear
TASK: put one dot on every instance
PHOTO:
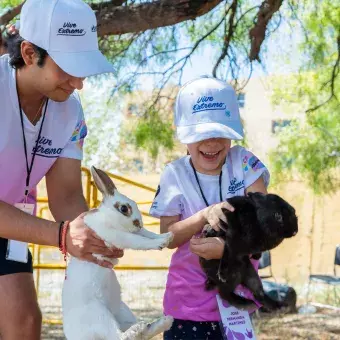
(103, 182)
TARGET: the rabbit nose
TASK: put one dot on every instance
(137, 223)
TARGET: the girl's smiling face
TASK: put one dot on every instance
(208, 156)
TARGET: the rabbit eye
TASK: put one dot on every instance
(124, 209)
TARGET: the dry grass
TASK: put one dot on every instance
(322, 326)
(143, 292)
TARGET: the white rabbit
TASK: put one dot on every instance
(91, 301)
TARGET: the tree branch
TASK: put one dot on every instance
(141, 17)
(171, 70)
(335, 73)
(10, 14)
(112, 3)
(227, 38)
(258, 33)
(115, 19)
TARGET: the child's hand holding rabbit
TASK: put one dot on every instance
(209, 248)
(216, 214)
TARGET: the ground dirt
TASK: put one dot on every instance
(319, 326)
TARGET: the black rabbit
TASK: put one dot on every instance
(259, 223)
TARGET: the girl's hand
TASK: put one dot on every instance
(216, 213)
(209, 248)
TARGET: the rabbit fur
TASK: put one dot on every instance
(91, 299)
(259, 223)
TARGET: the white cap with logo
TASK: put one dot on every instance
(67, 30)
(207, 108)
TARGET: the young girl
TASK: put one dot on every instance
(207, 119)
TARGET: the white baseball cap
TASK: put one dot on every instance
(207, 108)
(67, 30)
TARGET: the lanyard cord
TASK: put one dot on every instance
(199, 185)
(30, 167)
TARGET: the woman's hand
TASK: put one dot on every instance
(209, 248)
(82, 242)
(217, 213)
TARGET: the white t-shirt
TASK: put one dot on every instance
(242, 169)
(62, 135)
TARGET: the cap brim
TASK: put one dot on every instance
(195, 133)
(82, 64)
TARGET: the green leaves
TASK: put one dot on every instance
(307, 152)
(153, 133)
(9, 3)
(309, 149)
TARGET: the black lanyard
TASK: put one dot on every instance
(199, 185)
(30, 167)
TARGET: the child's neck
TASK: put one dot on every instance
(210, 172)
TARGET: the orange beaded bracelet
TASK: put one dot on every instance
(62, 245)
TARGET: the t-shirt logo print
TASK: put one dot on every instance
(70, 29)
(79, 134)
(45, 148)
(235, 185)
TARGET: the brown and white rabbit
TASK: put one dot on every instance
(91, 301)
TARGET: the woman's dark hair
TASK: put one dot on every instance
(13, 44)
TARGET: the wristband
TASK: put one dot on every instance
(60, 234)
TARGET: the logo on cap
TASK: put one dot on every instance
(207, 104)
(71, 29)
(94, 28)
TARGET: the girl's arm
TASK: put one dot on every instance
(184, 230)
(257, 186)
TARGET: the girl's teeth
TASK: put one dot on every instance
(210, 153)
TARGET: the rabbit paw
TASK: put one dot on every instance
(164, 242)
(169, 236)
